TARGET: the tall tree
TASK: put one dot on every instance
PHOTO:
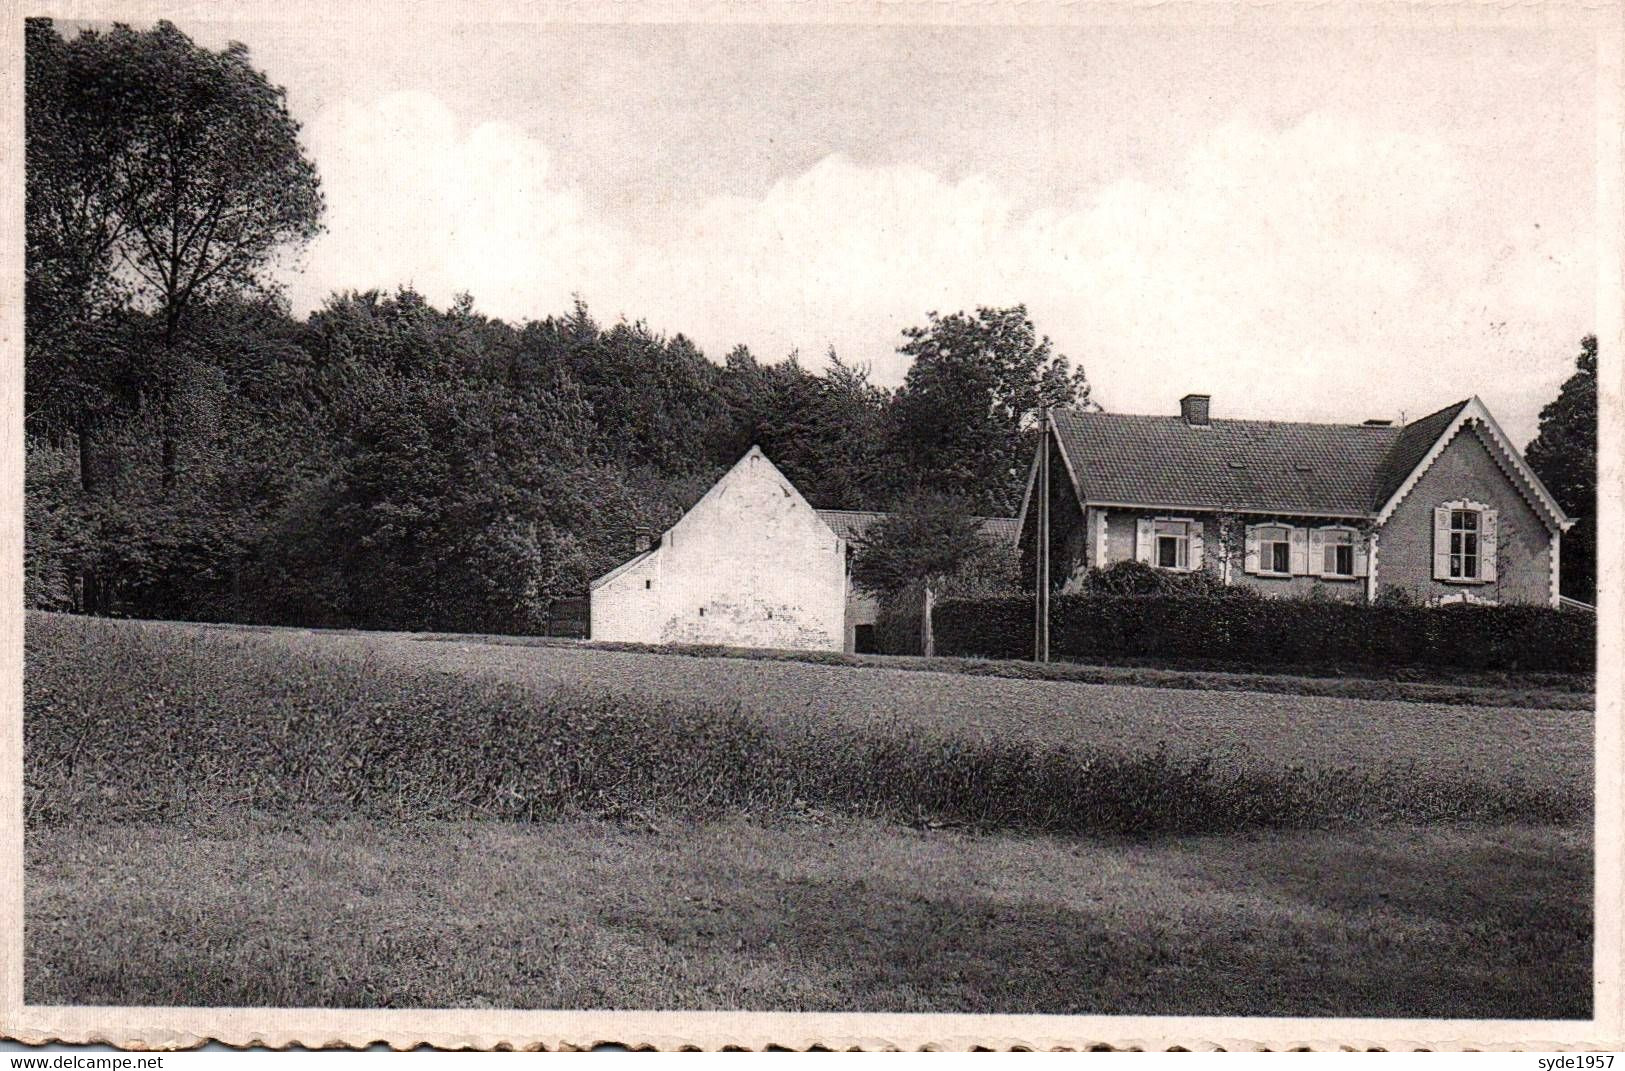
(1564, 455)
(963, 420)
(823, 430)
(181, 166)
(78, 370)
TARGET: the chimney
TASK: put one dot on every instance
(644, 539)
(1193, 407)
(1375, 423)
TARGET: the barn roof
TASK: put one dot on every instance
(851, 524)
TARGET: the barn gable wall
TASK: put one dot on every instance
(751, 565)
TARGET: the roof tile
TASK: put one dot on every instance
(851, 524)
(1257, 466)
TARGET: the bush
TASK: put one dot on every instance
(1137, 578)
(142, 723)
(1239, 626)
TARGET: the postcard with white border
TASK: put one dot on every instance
(847, 525)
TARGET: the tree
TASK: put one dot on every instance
(823, 430)
(1564, 456)
(931, 538)
(163, 170)
(79, 374)
(963, 421)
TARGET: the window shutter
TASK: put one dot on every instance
(1317, 552)
(1486, 543)
(1441, 542)
(1196, 546)
(1143, 540)
(1300, 551)
(1249, 561)
(1100, 538)
(1362, 557)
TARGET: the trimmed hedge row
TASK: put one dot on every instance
(1240, 627)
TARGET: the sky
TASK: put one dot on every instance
(1306, 223)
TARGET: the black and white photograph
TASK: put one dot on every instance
(1065, 511)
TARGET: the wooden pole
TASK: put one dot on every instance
(1041, 631)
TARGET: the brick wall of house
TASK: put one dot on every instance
(1121, 526)
(1349, 589)
(1299, 587)
(1466, 470)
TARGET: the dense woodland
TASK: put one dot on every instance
(196, 451)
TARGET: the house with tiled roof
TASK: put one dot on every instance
(751, 564)
(1443, 508)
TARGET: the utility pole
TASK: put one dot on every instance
(1041, 568)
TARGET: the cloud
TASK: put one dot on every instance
(414, 199)
(1322, 270)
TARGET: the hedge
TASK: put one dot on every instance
(1241, 627)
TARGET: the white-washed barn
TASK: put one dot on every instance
(751, 564)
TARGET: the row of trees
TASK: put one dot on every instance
(196, 451)
(386, 463)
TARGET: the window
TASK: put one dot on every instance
(1275, 550)
(647, 584)
(1464, 543)
(1173, 546)
(1339, 560)
(1464, 556)
(1173, 543)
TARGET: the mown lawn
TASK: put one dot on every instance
(1458, 921)
(272, 818)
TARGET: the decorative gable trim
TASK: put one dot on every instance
(1518, 472)
(1532, 487)
(1553, 562)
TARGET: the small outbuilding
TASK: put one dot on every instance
(752, 564)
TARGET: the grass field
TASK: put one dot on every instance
(1270, 731)
(1458, 921)
(723, 833)
(1545, 690)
